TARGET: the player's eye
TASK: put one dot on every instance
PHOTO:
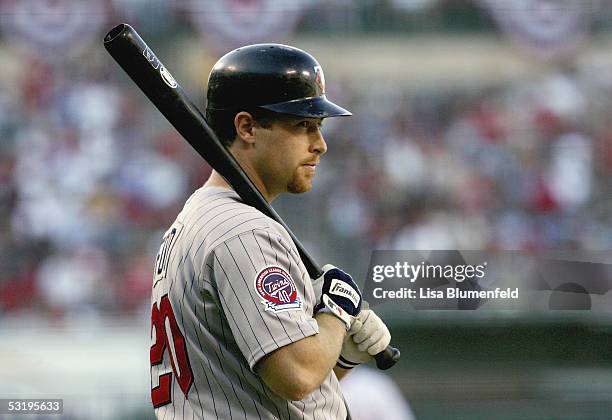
(310, 125)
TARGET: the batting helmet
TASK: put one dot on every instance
(274, 77)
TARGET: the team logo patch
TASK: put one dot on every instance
(277, 290)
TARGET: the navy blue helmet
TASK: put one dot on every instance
(274, 77)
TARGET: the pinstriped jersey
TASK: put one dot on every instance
(228, 289)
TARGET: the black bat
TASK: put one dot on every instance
(142, 65)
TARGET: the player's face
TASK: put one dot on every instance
(291, 150)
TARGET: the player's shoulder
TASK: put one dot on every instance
(217, 214)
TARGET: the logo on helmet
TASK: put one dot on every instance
(319, 78)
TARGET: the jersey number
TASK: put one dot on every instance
(168, 336)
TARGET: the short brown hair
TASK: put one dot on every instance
(222, 122)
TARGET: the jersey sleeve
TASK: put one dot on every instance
(264, 292)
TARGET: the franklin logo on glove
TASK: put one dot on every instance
(340, 288)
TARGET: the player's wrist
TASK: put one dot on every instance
(328, 314)
(345, 363)
(329, 307)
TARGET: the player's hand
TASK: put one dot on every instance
(367, 337)
(340, 295)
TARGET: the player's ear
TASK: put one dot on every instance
(244, 124)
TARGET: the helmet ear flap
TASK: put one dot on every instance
(274, 77)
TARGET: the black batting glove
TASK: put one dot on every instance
(340, 295)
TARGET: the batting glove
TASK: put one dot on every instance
(367, 337)
(340, 295)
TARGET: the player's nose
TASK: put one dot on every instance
(318, 144)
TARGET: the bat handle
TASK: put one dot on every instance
(387, 358)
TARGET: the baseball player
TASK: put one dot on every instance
(238, 328)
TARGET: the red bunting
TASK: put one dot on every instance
(549, 29)
(53, 28)
(229, 24)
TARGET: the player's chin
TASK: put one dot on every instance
(299, 185)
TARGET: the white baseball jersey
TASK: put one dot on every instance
(229, 288)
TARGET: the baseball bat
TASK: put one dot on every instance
(144, 68)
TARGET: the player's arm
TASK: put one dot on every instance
(297, 369)
(340, 372)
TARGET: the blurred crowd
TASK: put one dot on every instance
(522, 166)
(90, 178)
(88, 184)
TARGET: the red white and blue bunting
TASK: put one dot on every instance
(229, 24)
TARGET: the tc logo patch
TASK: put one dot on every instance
(277, 289)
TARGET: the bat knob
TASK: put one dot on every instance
(387, 358)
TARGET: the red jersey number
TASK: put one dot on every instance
(168, 336)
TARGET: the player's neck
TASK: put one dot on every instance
(216, 180)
